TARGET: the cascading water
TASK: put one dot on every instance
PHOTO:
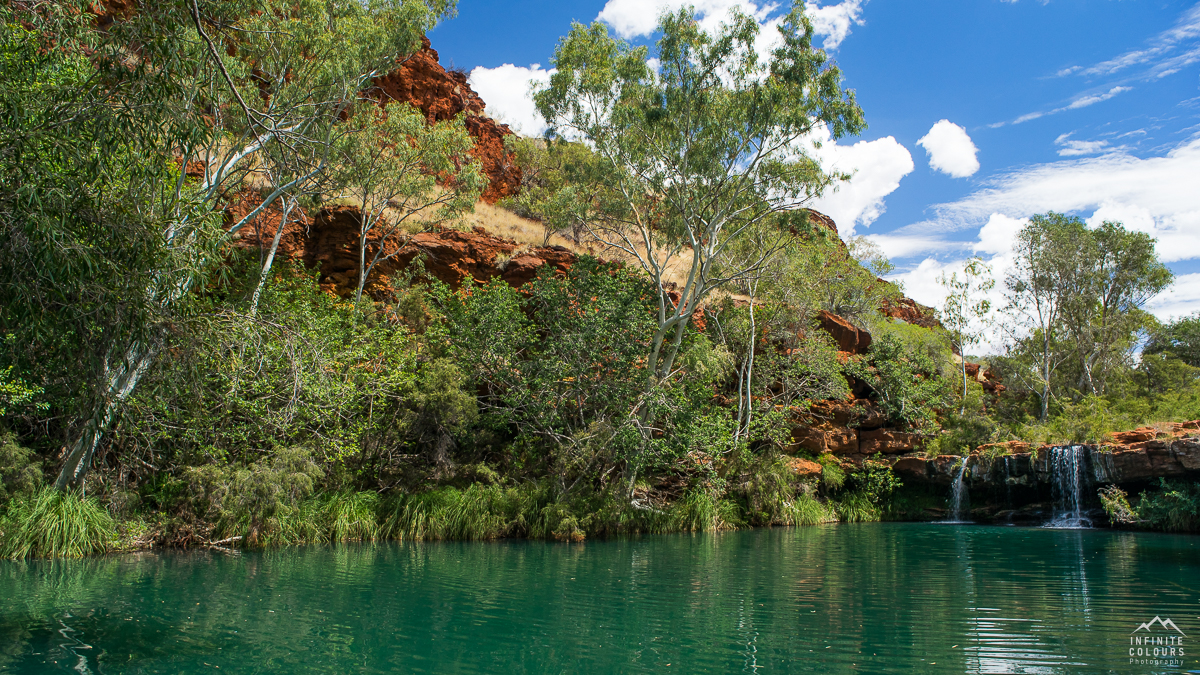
(1007, 483)
(958, 495)
(1066, 464)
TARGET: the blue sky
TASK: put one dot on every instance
(1086, 106)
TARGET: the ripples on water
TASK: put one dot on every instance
(867, 598)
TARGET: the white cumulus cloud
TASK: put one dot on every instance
(950, 149)
(876, 168)
(834, 21)
(506, 91)
(639, 18)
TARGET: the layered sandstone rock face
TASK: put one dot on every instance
(910, 311)
(1134, 457)
(422, 81)
(328, 242)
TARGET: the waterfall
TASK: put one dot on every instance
(1007, 484)
(958, 495)
(1066, 464)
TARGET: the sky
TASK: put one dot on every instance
(980, 114)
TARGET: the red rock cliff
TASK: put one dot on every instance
(440, 94)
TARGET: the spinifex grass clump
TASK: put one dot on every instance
(53, 523)
(701, 511)
(478, 512)
(806, 510)
(349, 516)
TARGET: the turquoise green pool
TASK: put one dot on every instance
(869, 598)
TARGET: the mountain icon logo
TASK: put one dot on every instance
(1165, 623)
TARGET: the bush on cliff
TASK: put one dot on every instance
(906, 383)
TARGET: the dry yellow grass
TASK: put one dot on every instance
(530, 234)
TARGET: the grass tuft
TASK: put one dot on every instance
(350, 516)
(55, 524)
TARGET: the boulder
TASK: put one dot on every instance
(847, 336)
(915, 468)
(804, 468)
(1134, 436)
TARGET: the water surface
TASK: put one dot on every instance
(869, 598)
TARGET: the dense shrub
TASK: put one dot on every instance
(906, 383)
(1171, 505)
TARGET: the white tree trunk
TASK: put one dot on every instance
(121, 383)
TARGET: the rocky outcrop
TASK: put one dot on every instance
(328, 242)
(422, 81)
(450, 256)
(911, 311)
(1135, 456)
(848, 337)
(986, 377)
(852, 429)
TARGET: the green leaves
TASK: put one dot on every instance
(1074, 299)
(699, 150)
(395, 161)
(905, 382)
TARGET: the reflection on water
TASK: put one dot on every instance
(838, 599)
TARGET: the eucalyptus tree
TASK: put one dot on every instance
(696, 150)
(966, 311)
(1075, 298)
(124, 143)
(1117, 273)
(1043, 253)
(392, 161)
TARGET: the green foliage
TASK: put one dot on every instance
(772, 495)
(1171, 505)
(1116, 504)
(702, 511)
(478, 512)
(966, 312)
(855, 507)
(699, 154)
(349, 516)
(54, 524)
(967, 428)
(103, 234)
(262, 502)
(425, 180)
(791, 367)
(905, 382)
(875, 480)
(1180, 338)
(833, 477)
(304, 368)
(1074, 303)
(554, 176)
(561, 361)
(16, 393)
(20, 468)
